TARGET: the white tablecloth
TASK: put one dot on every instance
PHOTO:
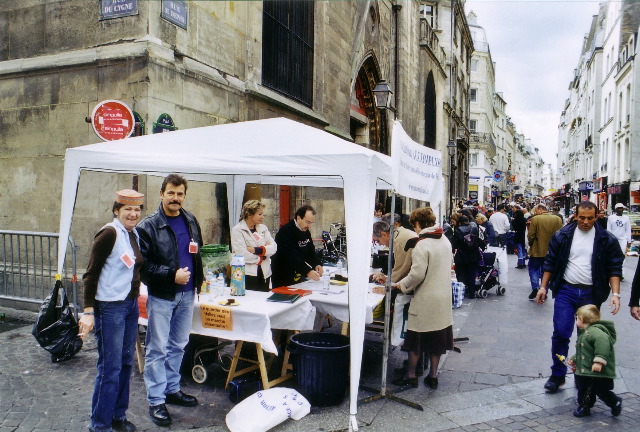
(337, 305)
(254, 318)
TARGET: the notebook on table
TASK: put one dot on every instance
(283, 298)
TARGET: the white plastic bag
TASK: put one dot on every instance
(457, 291)
(266, 409)
(400, 316)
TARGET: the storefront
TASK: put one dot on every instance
(584, 189)
(619, 193)
(634, 203)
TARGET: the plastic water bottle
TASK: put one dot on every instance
(220, 285)
(326, 281)
(209, 286)
(339, 265)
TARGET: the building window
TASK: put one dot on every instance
(473, 159)
(473, 93)
(474, 65)
(430, 110)
(429, 12)
(473, 125)
(287, 48)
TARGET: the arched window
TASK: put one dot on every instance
(430, 113)
(367, 126)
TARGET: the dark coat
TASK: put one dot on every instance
(160, 251)
(490, 234)
(464, 253)
(296, 255)
(519, 225)
(606, 260)
(634, 299)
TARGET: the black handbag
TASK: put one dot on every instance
(56, 329)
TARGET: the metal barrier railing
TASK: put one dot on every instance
(28, 265)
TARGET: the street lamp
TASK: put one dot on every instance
(382, 92)
(452, 148)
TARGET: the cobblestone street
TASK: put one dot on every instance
(495, 383)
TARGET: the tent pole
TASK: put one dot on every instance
(384, 393)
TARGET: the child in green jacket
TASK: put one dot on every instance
(594, 363)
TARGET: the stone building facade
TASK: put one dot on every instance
(213, 62)
(482, 116)
(599, 126)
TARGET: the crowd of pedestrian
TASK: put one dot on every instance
(580, 264)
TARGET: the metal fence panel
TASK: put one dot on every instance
(28, 265)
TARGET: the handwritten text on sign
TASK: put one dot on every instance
(215, 317)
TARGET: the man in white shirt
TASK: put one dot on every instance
(501, 223)
(620, 226)
(583, 266)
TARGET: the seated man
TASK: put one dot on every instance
(296, 257)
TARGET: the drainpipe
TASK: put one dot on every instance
(396, 13)
(451, 81)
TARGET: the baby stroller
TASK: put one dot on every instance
(488, 276)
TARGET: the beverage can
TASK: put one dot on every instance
(237, 275)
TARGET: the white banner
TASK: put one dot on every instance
(417, 169)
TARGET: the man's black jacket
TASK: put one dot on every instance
(606, 260)
(160, 251)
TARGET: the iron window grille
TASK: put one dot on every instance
(287, 50)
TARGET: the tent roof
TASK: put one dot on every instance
(275, 146)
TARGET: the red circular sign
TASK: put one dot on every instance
(112, 120)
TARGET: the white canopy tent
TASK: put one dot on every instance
(273, 151)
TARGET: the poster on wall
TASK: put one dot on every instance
(112, 120)
(473, 192)
(110, 9)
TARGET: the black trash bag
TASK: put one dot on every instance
(56, 329)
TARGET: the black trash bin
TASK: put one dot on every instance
(321, 365)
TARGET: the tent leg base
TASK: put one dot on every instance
(389, 396)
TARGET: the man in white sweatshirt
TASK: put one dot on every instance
(620, 226)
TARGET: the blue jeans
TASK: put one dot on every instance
(535, 272)
(566, 303)
(116, 326)
(167, 335)
(522, 253)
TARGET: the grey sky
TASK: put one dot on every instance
(536, 46)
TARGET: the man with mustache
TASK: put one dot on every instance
(170, 241)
